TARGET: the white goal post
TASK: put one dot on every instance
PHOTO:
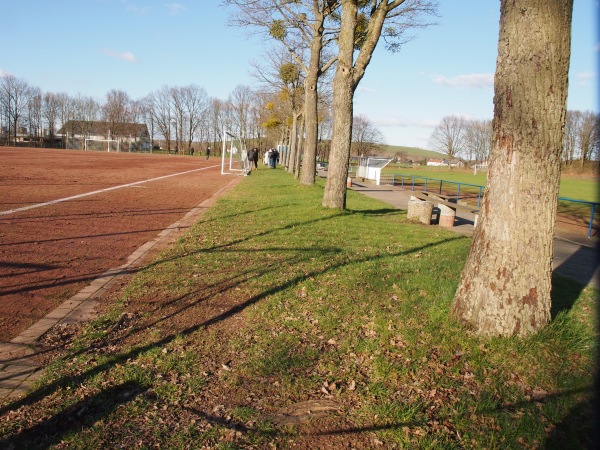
(480, 167)
(234, 156)
(101, 145)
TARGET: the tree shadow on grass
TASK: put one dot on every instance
(576, 430)
(376, 212)
(82, 414)
(564, 294)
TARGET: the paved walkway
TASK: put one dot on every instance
(18, 369)
(575, 255)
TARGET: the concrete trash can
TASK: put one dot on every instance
(419, 211)
(349, 182)
(447, 216)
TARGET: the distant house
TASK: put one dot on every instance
(456, 163)
(437, 162)
(129, 136)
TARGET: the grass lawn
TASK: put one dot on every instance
(275, 323)
(571, 186)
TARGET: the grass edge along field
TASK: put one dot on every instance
(271, 303)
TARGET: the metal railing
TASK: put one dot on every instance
(465, 190)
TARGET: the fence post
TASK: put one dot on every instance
(591, 221)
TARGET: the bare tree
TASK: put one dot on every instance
(570, 137)
(300, 26)
(586, 138)
(505, 284)
(478, 139)
(51, 113)
(218, 120)
(240, 100)
(449, 136)
(34, 114)
(160, 111)
(283, 78)
(117, 108)
(365, 136)
(188, 105)
(14, 96)
(362, 26)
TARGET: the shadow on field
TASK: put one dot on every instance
(580, 266)
(229, 305)
(576, 430)
(376, 212)
(82, 414)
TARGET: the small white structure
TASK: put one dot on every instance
(370, 168)
(437, 162)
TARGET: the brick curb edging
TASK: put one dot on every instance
(18, 371)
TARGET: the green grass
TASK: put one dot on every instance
(270, 300)
(571, 186)
(392, 150)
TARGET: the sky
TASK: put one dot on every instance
(90, 47)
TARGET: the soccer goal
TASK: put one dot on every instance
(480, 167)
(102, 145)
(234, 156)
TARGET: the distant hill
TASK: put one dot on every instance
(414, 152)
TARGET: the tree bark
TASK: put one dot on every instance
(506, 282)
(334, 195)
(311, 99)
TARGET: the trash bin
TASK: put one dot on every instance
(447, 216)
(419, 211)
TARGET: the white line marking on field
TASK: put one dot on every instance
(74, 197)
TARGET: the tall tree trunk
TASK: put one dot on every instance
(343, 95)
(291, 165)
(506, 282)
(298, 153)
(311, 100)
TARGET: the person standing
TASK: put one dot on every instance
(275, 157)
(207, 152)
(255, 158)
(249, 160)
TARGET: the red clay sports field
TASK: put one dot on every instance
(67, 216)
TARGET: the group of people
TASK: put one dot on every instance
(250, 158)
(271, 158)
(253, 158)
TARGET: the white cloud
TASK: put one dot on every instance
(404, 122)
(175, 8)
(125, 56)
(585, 77)
(137, 10)
(469, 81)
(366, 90)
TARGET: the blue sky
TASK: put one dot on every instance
(89, 47)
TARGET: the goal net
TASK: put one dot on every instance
(480, 168)
(102, 145)
(234, 156)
